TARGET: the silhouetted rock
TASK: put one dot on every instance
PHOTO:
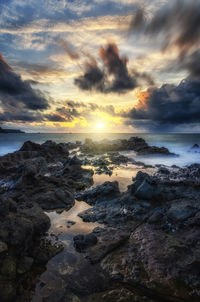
(132, 144)
(195, 146)
(10, 131)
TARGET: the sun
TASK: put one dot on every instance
(100, 125)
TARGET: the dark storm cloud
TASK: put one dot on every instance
(17, 93)
(192, 64)
(114, 77)
(18, 100)
(17, 116)
(175, 25)
(117, 66)
(167, 107)
(54, 118)
(93, 77)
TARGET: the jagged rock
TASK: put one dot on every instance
(146, 191)
(108, 190)
(159, 217)
(24, 265)
(182, 210)
(134, 143)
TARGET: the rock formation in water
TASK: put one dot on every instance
(132, 144)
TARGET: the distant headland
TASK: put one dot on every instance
(10, 131)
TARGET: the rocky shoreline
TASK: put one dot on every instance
(150, 240)
(148, 246)
(33, 179)
(136, 144)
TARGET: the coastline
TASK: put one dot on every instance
(158, 209)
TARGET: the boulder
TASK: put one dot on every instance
(106, 191)
(147, 191)
(82, 242)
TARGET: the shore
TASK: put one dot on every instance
(83, 222)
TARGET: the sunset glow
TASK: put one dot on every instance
(68, 65)
(100, 125)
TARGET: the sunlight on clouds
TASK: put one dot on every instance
(72, 124)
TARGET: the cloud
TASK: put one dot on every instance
(93, 77)
(53, 117)
(114, 76)
(17, 116)
(175, 25)
(165, 108)
(192, 63)
(18, 100)
(16, 93)
(42, 73)
(117, 66)
(69, 50)
(86, 108)
(189, 63)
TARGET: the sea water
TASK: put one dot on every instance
(177, 143)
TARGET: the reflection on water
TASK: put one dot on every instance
(69, 274)
(67, 223)
(66, 264)
(122, 174)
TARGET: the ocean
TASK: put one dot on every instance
(177, 143)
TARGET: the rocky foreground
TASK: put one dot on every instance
(148, 247)
(33, 179)
(149, 244)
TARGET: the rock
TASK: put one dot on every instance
(108, 241)
(127, 246)
(156, 217)
(24, 265)
(134, 143)
(8, 268)
(8, 290)
(55, 199)
(195, 146)
(146, 191)
(182, 210)
(38, 175)
(4, 207)
(82, 242)
(46, 250)
(3, 247)
(106, 191)
(163, 170)
(149, 242)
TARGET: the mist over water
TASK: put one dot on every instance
(176, 143)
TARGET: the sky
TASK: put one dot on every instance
(100, 65)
